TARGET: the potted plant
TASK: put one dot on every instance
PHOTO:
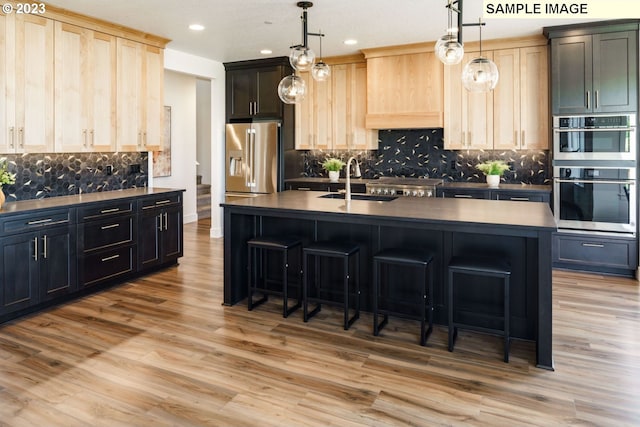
(333, 166)
(493, 169)
(6, 177)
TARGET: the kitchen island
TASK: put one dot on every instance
(520, 231)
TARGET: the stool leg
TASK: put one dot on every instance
(430, 304)
(298, 304)
(346, 292)
(250, 273)
(507, 338)
(305, 286)
(376, 289)
(450, 309)
(285, 283)
(423, 309)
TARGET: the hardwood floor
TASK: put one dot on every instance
(163, 351)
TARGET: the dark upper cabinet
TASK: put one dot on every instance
(594, 73)
(252, 89)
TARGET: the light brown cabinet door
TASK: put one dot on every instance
(7, 95)
(129, 129)
(468, 115)
(85, 90)
(153, 97)
(521, 106)
(305, 121)
(32, 118)
(314, 116)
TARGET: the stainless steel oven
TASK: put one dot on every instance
(595, 198)
(594, 137)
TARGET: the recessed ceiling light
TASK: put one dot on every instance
(196, 27)
(350, 42)
(266, 51)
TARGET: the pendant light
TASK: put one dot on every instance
(480, 74)
(292, 89)
(448, 48)
(320, 71)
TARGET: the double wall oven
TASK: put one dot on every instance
(595, 175)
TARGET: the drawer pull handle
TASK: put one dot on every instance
(520, 199)
(593, 245)
(303, 189)
(40, 221)
(109, 258)
(106, 227)
(104, 211)
(163, 202)
(463, 196)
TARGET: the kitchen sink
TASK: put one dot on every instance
(359, 197)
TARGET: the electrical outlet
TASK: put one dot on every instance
(134, 168)
(108, 169)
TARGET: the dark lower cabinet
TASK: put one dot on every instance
(463, 193)
(37, 266)
(160, 231)
(48, 255)
(617, 255)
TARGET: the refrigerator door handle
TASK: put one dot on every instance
(253, 159)
(247, 147)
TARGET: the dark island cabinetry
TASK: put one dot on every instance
(55, 249)
(605, 254)
(252, 88)
(38, 258)
(594, 68)
(160, 228)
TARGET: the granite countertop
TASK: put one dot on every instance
(24, 206)
(511, 187)
(432, 210)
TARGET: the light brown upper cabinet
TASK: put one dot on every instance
(140, 96)
(313, 116)
(468, 115)
(521, 99)
(515, 115)
(332, 115)
(85, 90)
(349, 83)
(405, 87)
(26, 81)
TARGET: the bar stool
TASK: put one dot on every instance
(261, 247)
(487, 267)
(344, 251)
(421, 298)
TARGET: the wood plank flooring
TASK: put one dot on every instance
(163, 351)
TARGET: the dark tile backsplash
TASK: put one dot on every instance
(61, 174)
(421, 153)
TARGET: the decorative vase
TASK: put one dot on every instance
(334, 176)
(2, 198)
(493, 180)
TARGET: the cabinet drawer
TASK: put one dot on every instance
(518, 196)
(106, 210)
(107, 265)
(595, 251)
(110, 232)
(465, 194)
(169, 199)
(35, 221)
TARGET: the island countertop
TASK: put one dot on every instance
(432, 210)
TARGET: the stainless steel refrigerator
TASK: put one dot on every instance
(252, 158)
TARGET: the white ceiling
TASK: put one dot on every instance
(239, 29)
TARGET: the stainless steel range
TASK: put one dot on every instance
(409, 187)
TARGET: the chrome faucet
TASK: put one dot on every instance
(347, 196)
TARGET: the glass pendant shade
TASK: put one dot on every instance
(292, 89)
(321, 71)
(302, 58)
(448, 50)
(480, 75)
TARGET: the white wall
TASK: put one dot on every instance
(203, 129)
(207, 69)
(180, 95)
